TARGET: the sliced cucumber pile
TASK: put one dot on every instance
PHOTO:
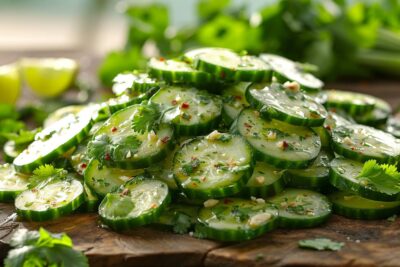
(239, 144)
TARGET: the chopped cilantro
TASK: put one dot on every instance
(45, 174)
(182, 223)
(146, 119)
(320, 244)
(41, 248)
(190, 167)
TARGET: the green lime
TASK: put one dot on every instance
(10, 84)
(49, 77)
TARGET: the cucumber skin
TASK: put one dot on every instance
(344, 184)
(126, 224)
(145, 162)
(302, 223)
(320, 184)
(347, 153)
(197, 129)
(203, 231)
(30, 167)
(350, 108)
(227, 74)
(269, 112)
(195, 77)
(51, 214)
(266, 190)
(135, 100)
(9, 196)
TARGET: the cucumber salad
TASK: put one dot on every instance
(215, 144)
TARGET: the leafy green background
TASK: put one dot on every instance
(344, 38)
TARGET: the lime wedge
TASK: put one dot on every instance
(49, 77)
(10, 84)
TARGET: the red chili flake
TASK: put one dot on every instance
(161, 59)
(174, 102)
(83, 166)
(185, 105)
(193, 158)
(285, 144)
(328, 127)
(165, 139)
(227, 201)
(203, 178)
(222, 75)
(107, 157)
(124, 192)
(114, 129)
(247, 125)
(238, 97)
(353, 148)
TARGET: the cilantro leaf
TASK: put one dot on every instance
(182, 223)
(382, 177)
(320, 244)
(146, 119)
(33, 248)
(104, 149)
(44, 174)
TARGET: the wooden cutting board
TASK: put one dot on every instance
(367, 243)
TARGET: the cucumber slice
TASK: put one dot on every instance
(130, 82)
(217, 165)
(12, 150)
(92, 201)
(234, 219)
(344, 176)
(319, 97)
(362, 143)
(103, 180)
(131, 138)
(138, 202)
(175, 71)
(226, 65)
(280, 144)
(393, 125)
(377, 116)
(265, 181)
(61, 113)
(54, 141)
(191, 111)
(163, 171)
(179, 218)
(351, 102)
(300, 208)
(234, 101)
(357, 207)
(11, 183)
(315, 177)
(285, 103)
(51, 200)
(287, 70)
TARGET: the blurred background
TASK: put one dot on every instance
(343, 38)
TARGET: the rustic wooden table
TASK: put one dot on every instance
(367, 243)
